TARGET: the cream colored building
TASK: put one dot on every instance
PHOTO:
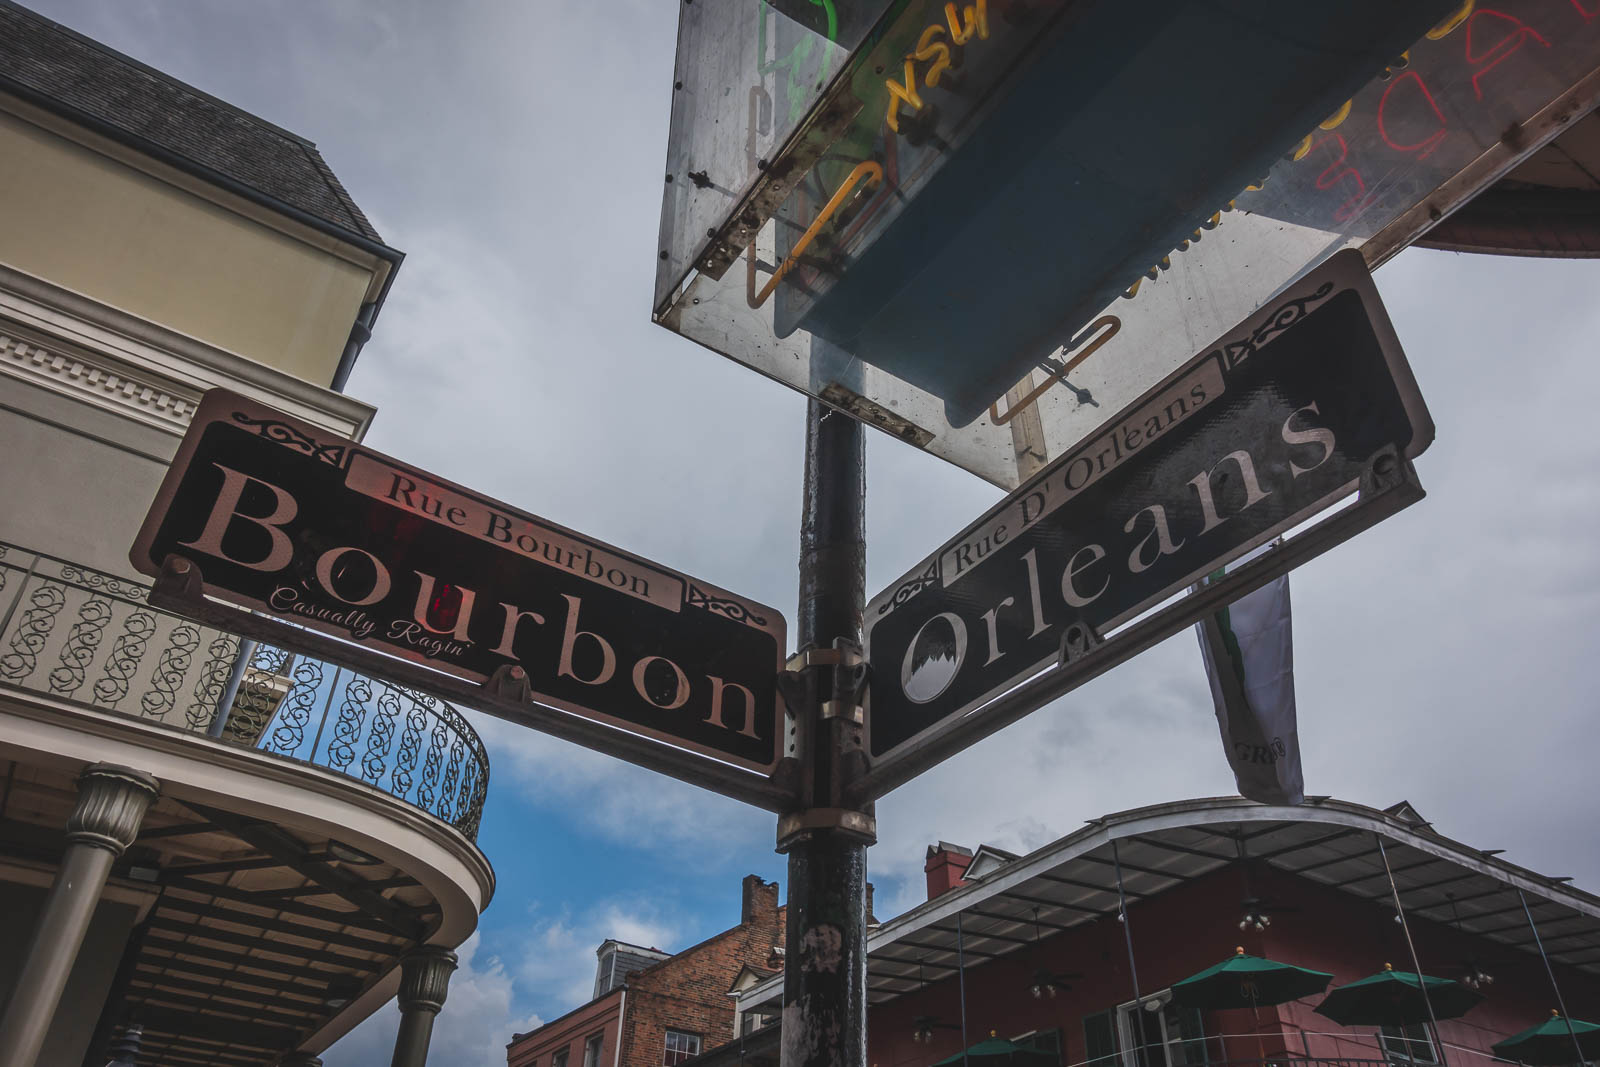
(285, 847)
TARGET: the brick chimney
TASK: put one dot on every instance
(758, 900)
(945, 867)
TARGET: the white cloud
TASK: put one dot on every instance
(556, 953)
(549, 963)
(627, 806)
(472, 1030)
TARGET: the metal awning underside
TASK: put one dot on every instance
(1549, 205)
(1073, 882)
(253, 937)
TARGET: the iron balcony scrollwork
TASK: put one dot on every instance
(118, 654)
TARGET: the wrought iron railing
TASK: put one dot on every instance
(79, 635)
(1160, 1056)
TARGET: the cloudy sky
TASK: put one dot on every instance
(514, 151)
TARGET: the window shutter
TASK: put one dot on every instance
(1100, 1039)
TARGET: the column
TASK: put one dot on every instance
(111, 805)
(424, 980)
(301, 1059)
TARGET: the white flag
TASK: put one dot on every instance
(1249, 653)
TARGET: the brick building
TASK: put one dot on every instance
(1073, 949)
(652, 1009)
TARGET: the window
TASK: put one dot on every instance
(1045, 1041)
(1406, 1046)
(680, 1047)
(559, 1059)
(591, 1050)
(1159, 1034)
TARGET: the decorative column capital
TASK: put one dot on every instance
(425, 978)
(111, 804)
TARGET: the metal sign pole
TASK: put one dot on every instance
(1127, 936)
(825, 961)
(1554, 985)
(1411, 947)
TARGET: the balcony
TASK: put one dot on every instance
(74, 634)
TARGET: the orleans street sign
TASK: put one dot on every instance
(1250, 438)
(296, 523)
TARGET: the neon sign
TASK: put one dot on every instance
(930, 49)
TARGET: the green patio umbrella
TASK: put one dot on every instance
(1242, 981)
(1394, 998)
(993, 1051)
(1551, 1043)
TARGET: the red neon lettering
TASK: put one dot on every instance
(1336, 172)
(1424, 147)
(1587, 15)
(1501, 49)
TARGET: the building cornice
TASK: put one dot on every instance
(78, 348)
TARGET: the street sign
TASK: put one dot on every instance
(318, 532)
(1253, 436)
(892, 273)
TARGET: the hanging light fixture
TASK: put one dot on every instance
(1255, 915)
(923, 1026)
(1046, 983)
(342, 989)
(1475, 977)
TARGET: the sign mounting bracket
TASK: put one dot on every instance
(1079, 640)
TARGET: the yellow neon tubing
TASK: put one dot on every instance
(1059, 373)
(868, 170)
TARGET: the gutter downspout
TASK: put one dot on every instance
(622, 1013)
(241, 662)
(360, 334)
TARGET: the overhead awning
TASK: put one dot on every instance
(1073, 882)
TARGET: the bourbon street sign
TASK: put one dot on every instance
(1251, 437)
(296, 523)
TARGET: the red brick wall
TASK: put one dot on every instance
(570, 1032)
(689, 992)
(945, 868)
(1354, 940)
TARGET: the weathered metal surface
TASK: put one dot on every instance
(1433, 125)
(825, 964)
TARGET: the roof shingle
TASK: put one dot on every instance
(65, 72)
